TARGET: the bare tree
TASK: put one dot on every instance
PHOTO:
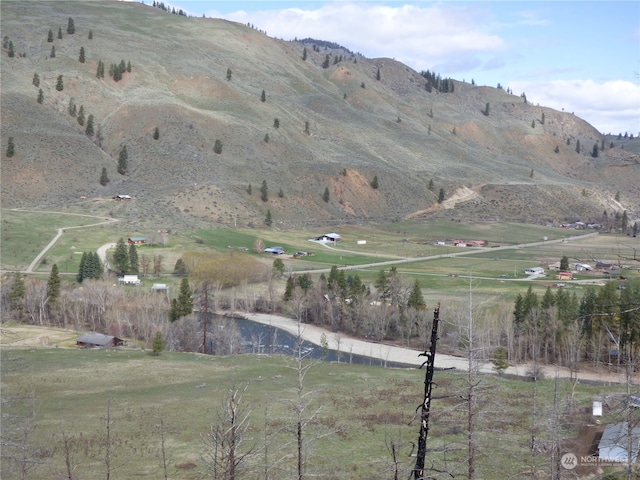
(225, 454)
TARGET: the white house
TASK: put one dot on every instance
(614, 444)
(328, 237)
(129, 280)
(534, 271)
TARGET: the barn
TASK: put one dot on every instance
(98, 340)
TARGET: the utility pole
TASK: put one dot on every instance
(418, 470)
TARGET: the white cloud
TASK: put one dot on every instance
(611, 107)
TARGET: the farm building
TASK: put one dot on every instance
(129, 280)
(565, 276)
(274, 250)
(98, 340)
(137, 240)
(328, 237)
(534, 271)
(614, 444)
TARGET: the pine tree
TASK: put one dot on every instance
(156, 133)
(71, 109)
(276, 123)
(53, 52)
(104, 179)
(158, 344)
(90, 36)
(264, 193)
(577, 146)
(486, 109)
(325, 195)
(289, 288)
(281, 193)
(53, 285)
(184, 302)
(71, 29)
(89, 130)
(564, 264)
(624, 223)
(83, 260)
(306, 128)
(80, 117)
(81, 57)
(557, 149)
(36, 80)
(326, 62)
(594, 152)
(11, 149)
(415, 300)
(430, 186)
(378, 74)
(217, 147)
(263, 97)
(59, 33)
(134, 265)
(268, 220)
(266, 138)
(17, 293)
(441, 195)
(304, 54)
(500, 361)
(11, 52)
(40, 96)
(542, 119)
(59, 84)
(180, 268)
(50, 36)
(123, 160)
(229, 74)
(100, 69)
(121, 257)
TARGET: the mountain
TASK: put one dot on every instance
(200, 82)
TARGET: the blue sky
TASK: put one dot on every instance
(580, 56)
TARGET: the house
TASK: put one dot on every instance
(582, 267)
(554, 266)
(98, 340)
(129, 280)
(534, 271)
(614, 444)
(137, 240)
(328, 237)
(565, 276)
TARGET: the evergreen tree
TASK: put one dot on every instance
(266, 138)
(486, 109)
(104, 179)
(533, 124)
(40, 96)
(624, 222)
(17, 293)
(89, 130)
(374, 182)
(36, 80)
(326, 62)
(268, 221)
(306, 128)
(564, 264)
(11, 52)
(173, 311)
(59, 33)
(577, 146)
(378, 74)
(276, 123)
(263, 96)
(304, 53)
(430, 186)
(158, 344)
(53, 52)
(123, 160)
(53, 285)
(71, 29)
(636, 228)
(50, 36)
(229, 74)
(59, 84)
(156, 133)
(415, 300)
(280, 193)
(80, 117)
(217, 147)
(594, 152)
(180, 268)
(617, 196)
(121, 258)
(500, 361)
(264, 194)
(81, 57)
(100, 69)
(542, 119)
(557, 149)
(289, 288)
(134, 265)
(325, 195)
(90, 36)
(129, 66)
(83, 260)
(184, 302)
(11, 149)
(441, 195)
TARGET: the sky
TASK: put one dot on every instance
(577, 56)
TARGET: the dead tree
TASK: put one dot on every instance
(418, 470)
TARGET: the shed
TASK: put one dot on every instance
(614, 444)
(98, 340)
(129, 280)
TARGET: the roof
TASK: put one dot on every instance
(98, 339)
(614, 442)
(335, 236)
(139, 239)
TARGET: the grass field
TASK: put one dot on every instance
(358, 411)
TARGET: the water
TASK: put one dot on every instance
(260, 338)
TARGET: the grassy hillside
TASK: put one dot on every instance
(358, 128)
(358, 413)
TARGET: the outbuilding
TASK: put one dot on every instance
(534, 271)
(98, 340)
(614, 444)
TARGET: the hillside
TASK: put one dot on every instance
(358, 128)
